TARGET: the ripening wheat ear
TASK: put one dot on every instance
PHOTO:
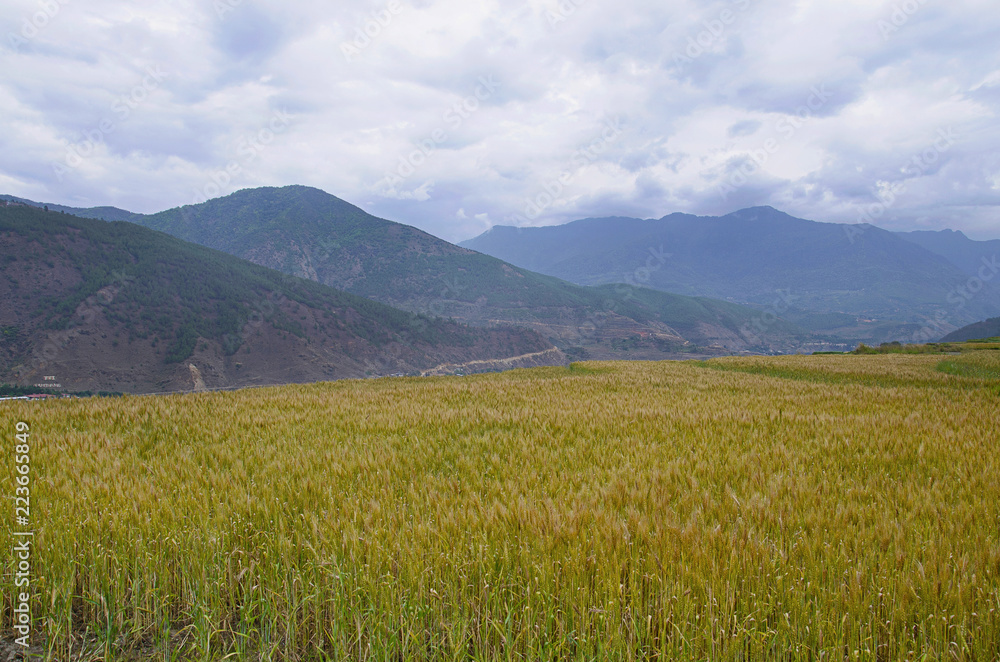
(756, 508)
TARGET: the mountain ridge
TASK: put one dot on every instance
(98, 305)
(331, 241)
(967, 254)
(851, 281)
(978, 331)
(309, 233)
(103, 213)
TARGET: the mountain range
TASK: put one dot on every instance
(112, 306)
(102, 213)
(308, 233)
(848, 281)
(756, 280)
(967, 254)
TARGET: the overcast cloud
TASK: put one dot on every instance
(454, 116)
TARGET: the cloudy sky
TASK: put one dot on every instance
(454, 115)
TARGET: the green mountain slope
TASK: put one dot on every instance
(309, 233)
(986, 329)
(115, 306)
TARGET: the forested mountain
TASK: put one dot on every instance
(115, 306)
(102, 213)
(986, 329)
(309, 233)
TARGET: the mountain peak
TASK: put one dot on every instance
(871, 284)
(283, 194)
(145, 312)
(763, 212)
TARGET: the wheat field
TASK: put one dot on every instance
(785, 508)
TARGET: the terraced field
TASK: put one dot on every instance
(792, 508)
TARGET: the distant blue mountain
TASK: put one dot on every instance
(836, 278)
(967, 254)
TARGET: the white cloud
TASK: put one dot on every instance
(563, 70)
